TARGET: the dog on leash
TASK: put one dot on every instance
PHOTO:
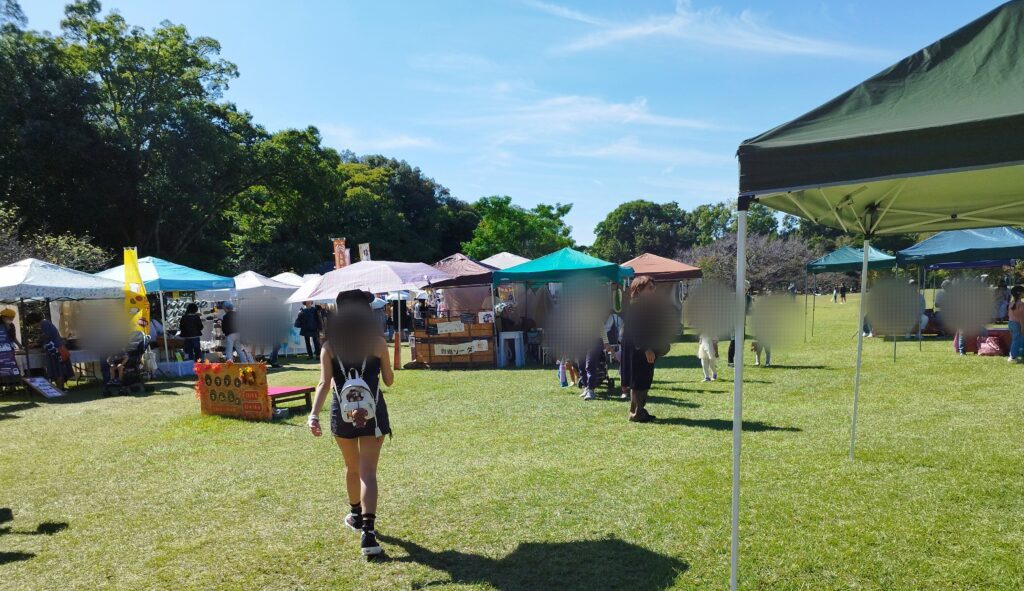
(757, 348)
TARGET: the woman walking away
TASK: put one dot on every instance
(643, 341)
(1016, 323)
(707, 351)
(842, 294)
(354, 360)
(190, 328)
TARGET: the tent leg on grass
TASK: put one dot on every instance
(860, 346)
(814, 304)
(163, 319)
(737, 387)
(805, 307)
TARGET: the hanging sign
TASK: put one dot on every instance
(340, 260)
(364, 251)
(450, 327)
(233, 390)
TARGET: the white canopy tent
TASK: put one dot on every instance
(288, 278)
(32, 279)
(265, 296)
(505, 260)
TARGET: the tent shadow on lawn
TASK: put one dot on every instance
(585, 565)
(724, 424)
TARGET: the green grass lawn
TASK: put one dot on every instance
(503, 480)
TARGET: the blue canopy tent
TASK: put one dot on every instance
(845, 259)
(160, 276)
(993, 246)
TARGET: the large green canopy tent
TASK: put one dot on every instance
(844, 259)
(935, 142)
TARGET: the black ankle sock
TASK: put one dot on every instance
(368, 521)
(357, 509)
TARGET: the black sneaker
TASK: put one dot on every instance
(354, 522)
(369, 545)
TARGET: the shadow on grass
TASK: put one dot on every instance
(724, 425)
(584, 565)
(47, 528)
(672, 401)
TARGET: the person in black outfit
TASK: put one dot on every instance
(354, 348)
(309, 324)
(190, 328)
(644, 339)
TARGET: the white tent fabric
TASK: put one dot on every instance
(305, 292)
(289, 278)
(371, 276)
(32, 279)
(247, 285)
(504, 260)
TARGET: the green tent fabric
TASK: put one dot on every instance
(934, 142)
(562, 265)
(961, 246)
(847, 259)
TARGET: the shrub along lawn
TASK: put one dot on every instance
(503, 480)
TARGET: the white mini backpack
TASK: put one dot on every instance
(357, 402)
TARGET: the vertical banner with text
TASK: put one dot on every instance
(340, 259)
(135, 302)
(364, 251)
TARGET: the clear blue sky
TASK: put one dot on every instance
(590, 103)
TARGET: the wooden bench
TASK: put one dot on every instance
(282, 394)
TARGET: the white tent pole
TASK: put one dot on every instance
(737, 387)
(860, 345)
(921, 283)
(163, 316)
(814, 303)
(806, 280)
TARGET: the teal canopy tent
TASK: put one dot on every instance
(965, 246)
(159, 275)
(934, 142)
(563, 265)
(844, 259)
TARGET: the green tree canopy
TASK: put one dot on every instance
(640, 226)
(530, 233)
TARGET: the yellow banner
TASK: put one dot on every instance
(135, 302)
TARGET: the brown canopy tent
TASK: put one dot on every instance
(465, 271)
(662, 269)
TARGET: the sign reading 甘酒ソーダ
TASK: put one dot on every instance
(233, 390)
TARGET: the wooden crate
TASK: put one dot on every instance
(426, 353)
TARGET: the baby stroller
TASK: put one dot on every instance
(603, 376)
(134, 370)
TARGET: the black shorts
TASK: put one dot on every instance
(635, 371)
(340, 428)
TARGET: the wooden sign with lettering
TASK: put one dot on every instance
(233, 390)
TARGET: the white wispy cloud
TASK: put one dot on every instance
(348, 138)
(569, 113)
(632, 149)
(710, 26)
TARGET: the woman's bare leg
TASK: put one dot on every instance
(369, 455)
(350, 449)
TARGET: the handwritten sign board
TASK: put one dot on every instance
(233, 390)
(467, 348)
(44, 387)
(8, 362)
(450, 327)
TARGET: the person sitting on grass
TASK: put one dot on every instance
(355, 348)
